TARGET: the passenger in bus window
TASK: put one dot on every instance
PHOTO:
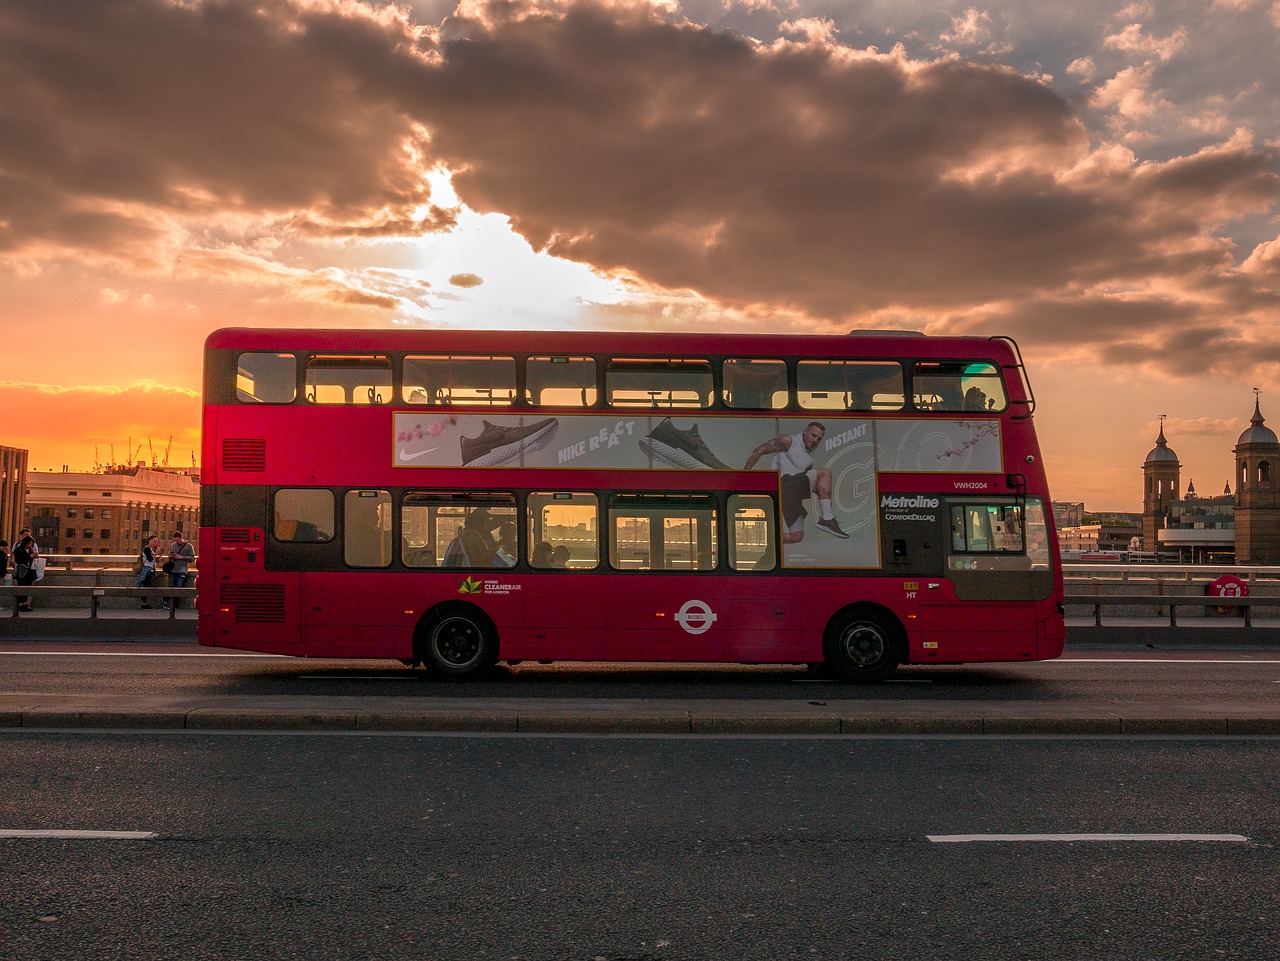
(473, 546)
(560, 556)
(505, 555)
(542, 555)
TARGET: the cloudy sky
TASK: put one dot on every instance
(1097, 179)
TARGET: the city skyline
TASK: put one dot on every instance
(1098, 181)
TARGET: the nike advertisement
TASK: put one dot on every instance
(827, 466)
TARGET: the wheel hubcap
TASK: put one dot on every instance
(863, 645)
(457, 641)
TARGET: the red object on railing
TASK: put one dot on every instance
(1228, 585)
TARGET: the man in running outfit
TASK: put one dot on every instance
(793, 460)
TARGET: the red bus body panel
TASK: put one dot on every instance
(587, 615)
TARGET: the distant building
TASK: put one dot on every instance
(1257, 504)
(1201, 530)
(13, 492)
(1068, 514)
(1243, 528)
(111, 512)
(1161, 473)
(1108, 538)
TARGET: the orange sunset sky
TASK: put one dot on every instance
(1097, 179)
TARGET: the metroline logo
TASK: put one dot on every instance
(889, 500)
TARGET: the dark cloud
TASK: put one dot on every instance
(802, 178)
(116, 112)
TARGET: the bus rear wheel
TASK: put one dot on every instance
(863, 646)
(458, 644)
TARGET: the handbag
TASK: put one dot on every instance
(168, 567)
(37, 565)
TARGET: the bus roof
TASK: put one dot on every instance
(857, 343)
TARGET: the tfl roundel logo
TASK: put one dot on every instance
(696, 617)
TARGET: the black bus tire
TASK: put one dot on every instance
(863, 645)
(457, 643)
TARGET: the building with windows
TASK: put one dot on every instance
(1108, 537)
(1068, 514)
(1243, 527)
(13, 492)
(111, 512)
(1200, 530)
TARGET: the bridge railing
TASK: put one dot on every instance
(1074, 573)
(1245, 605)
(94, 596)
(97, 562)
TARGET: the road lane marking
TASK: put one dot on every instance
(90, 835)
(966, 838)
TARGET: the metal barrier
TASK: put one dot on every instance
(1084, 573)
(97, 562)
(96, 594)
(1171, 601)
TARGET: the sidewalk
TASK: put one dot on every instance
(620, 716)
(73, 623)
(636, 716)
(48, 623)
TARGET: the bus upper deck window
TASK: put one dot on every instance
(958, 385)
(659, 382)
(349, 379)
(863, 385)
(755, 384)
(441, 381)
(560, 381)
(266, 378)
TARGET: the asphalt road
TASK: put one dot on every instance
(577, 847)
(147, 670)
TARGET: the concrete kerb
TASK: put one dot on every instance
(249, 718)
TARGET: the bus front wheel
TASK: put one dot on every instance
(863, 646)
(458, 644)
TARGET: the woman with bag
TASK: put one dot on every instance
(25, 553)
(147, 573)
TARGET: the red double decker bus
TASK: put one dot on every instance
(455, 499)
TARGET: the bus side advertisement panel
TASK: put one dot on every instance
(835, 456)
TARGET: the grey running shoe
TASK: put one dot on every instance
(831, 527)
(681, 448)
(500, 445)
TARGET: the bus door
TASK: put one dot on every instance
(665, 548)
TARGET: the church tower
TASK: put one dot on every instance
(1257, 504)
(1161, 472)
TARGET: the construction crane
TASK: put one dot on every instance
(166, 450)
